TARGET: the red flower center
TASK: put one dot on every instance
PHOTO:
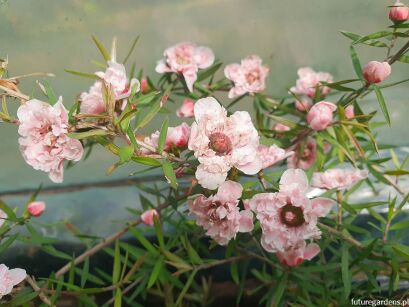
(292, 216)
(220, 143)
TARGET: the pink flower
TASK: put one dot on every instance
(176, 137)
(302, 105)
(186, 59)
(221, 142)
(220, 215)
(338, 178)
(281, 128)
(116, 79)
(305, 155)
(36, 208)
(309, 80)
(399, 12)
(349, 112)
(288, 217)
(187, 109)
(376, 72)
(320, 115)
(92, 102)
(3, 217)
(43, 142)
(9, 279)
(272, 155)
(248, 77)
(148, 216)
(298, 254)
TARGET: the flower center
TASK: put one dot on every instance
(292, 216)
(252, 76)
(220, 143)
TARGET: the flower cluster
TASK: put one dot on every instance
(44, 142)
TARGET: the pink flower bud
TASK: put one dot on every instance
(187, 109)
(36, 208)
(144, 85)
(349, 112)
(376, 72)
(399, 12)
(280, 128)
(148, 215)
(302, 105)
(320, 115)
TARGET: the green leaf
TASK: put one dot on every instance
(131, 49)
(202, 75)
(155, 271)
(355, 62)
(400, 225)
(145, 243)
(234, 272)
(169, 174)
(146, 161)
(85, 273)
(279, 292)
(52, 98)
(372, 36)
(402, 250)
(153, 110)
(6, 244)
(162, 135)
(126, 154)
(87, 134)
(382, 104)
(404, 59)
(370, 42)
(185, 288)
(346, 276)
(101, 48)
(117, 264)
(49, 249)
(22, 299)
(82, 74)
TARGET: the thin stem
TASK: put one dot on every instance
(36, 288)
(339, 201)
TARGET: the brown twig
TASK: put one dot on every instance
(36, 288)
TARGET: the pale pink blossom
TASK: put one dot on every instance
(3, 217)
(116, 79)
(309, 80)
(304, 155)
(248, 77)
(44, 143)
(320, 115)
(298, 254)
(176, 137)
(92, 101)
(338, 178)
(9, 279)
(272, 155)
(302, 105)
(221, 142)
(399, 12)
(186, 59)
(281, 128)
(349, 112)
(148, 216)
(288, 217)
(186, 109)
(220, 214)
(376, 72)
(36, 208)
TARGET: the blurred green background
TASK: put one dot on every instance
(49, 36)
